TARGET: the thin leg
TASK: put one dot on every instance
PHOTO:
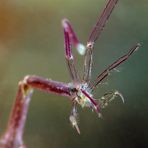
(12, 138)
(88, 64)
(108, 97)
(122, 59)
(95, 33)
(68, 53)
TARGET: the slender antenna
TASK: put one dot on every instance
(101, 21)
(95, 33)
(122, 59)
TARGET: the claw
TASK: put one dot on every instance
(120, 95)
(77, 128)
(74, 123)
(109, 97)
(73, 118)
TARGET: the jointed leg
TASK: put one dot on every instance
(95, 33)
(12, 138)
(108, 97)
(88, 63)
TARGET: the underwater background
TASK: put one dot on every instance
(31, 42)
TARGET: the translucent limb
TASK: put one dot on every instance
(74, 118)
(88, 64)
(108, 97)
(95, 33)
(122, 59)
(68, 28)
(12, 138)
(68, 53)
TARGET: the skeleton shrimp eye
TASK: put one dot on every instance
(73, 90)
(90, 45)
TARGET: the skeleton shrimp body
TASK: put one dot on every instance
(79, 91)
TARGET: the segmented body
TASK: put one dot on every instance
(78, 91)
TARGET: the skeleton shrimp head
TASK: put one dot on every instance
(84, 98)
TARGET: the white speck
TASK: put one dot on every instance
(64, 23)
(81, 49)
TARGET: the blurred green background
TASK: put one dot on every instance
(31, 42)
